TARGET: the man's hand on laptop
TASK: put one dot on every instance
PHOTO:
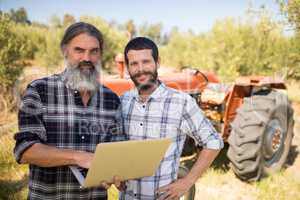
(83, 159)
(116, 181)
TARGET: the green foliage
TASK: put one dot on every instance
(130, 28)
(41, 43)
(294, 58)
(247, 48)
(68, 20)
(34, 37)
(55, 22)
(49, 53)
(12, 53)
(233, 48)
(153, 31)
(291, 9)
(19, 16)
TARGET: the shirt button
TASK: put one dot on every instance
(141, 124)
(75, 91)
(82, 137)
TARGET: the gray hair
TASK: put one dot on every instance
(79, 28)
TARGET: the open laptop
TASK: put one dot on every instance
(127, 160)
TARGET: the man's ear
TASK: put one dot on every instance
(64, 51)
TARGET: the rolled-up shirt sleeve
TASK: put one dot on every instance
(31, 127)
(197, 126)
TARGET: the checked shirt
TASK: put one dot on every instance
(52, 114)
(167, 113)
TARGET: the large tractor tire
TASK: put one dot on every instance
(261, 135)
(190, 195)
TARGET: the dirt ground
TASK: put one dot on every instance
(226, 186)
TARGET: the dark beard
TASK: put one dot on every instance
(152, 81)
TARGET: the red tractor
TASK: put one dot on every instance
(253, 116)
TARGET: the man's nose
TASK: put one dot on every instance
(140, 67)
(86, 56)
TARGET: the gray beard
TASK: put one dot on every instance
(81, 81)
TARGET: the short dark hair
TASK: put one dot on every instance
(79, 28)
(140, 43)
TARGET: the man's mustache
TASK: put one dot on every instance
(142, 73)
(86, 63)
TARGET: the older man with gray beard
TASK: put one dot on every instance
(64, 116)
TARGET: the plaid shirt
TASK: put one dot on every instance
(168, 113)
(53, 114)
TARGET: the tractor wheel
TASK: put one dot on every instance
(190, 195)
(261, 135)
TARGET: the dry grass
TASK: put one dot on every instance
(281, 186)
(215, 185)
(7, 104)
(13, 179)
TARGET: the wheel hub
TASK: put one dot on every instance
(273, 138)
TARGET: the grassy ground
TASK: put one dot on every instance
(13, 179)
(224, 185)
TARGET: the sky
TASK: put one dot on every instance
(195, 15)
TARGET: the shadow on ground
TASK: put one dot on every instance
(293, 154)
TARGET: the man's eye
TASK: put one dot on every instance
(79, 50)
(133, 64)
(95, 51)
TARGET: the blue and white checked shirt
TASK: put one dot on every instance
(168, 113)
